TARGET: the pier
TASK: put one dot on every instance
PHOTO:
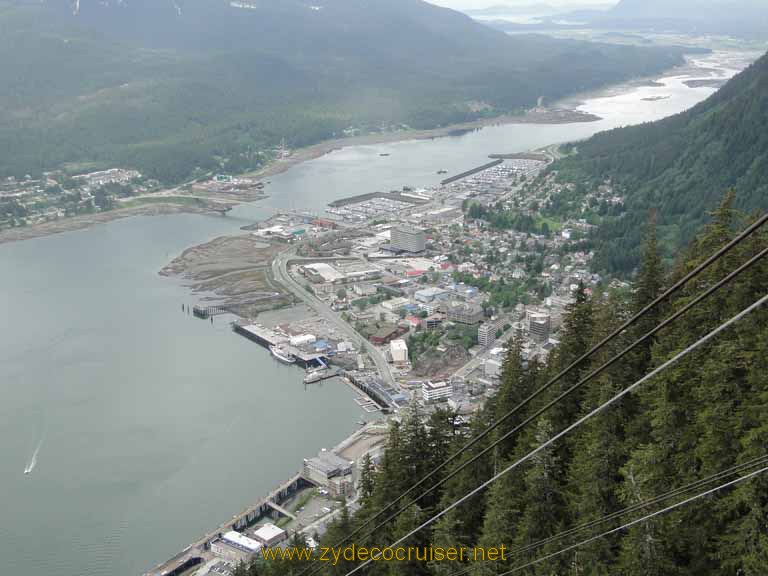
(472, 172)
(267, 337)
(206, 312)
(192, 555)
(326, 374)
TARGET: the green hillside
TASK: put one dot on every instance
(561, 511)
(679, 167)
(167, 87)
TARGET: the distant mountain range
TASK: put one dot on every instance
(741, 18)
(731, 17)
(171, 86)
(681, 166)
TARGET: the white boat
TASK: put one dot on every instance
(282, 354)
(315, 375)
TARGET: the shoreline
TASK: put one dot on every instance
(155, 206)
(84, 221)
(543, 117)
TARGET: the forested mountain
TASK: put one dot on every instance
(169, 85)
(679, 167)
(678, 435)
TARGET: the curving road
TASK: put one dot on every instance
(281, 274)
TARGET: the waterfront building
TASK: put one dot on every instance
(270, 535)
(324, 466)
(235, 547)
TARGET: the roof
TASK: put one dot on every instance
(327, 271)
(241, 541)
(398, 345)
(435, 385)
(407, 229)
(431, 291)
(269, 532)
(385, 332)
(328, 462)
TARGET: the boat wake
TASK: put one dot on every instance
(33, 461)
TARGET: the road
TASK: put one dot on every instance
(475, 363)
(281, 274)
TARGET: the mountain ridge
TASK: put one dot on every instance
(171, 86)
(681, 166)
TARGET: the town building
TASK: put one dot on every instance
(486, 333)
(341, 487)
(386, 334)
(324, 466)
(539, 326)
(433, 321)
(235, 547)
(322, 272)
(431, 294)
(435, 391)
(399, 351)
(270, 535)
(464, 313)
(408, 239)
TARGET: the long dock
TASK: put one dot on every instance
(192, 555)
(267, 337)
(472, 172)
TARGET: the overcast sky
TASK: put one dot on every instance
(460, 4)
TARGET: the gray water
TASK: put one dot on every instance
(147, 427)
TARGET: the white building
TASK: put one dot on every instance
(322, 272)
(434, 391)
(399, 351)
(408, 239)
(303, 339)
(395, 304)
(486, 333)
(269, 535)
(235, 547)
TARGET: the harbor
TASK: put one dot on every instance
(141, 489)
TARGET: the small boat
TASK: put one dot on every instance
(442, 171)
(384, 154)
(282, 354)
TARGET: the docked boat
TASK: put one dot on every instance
(282, 354)
(315, 376)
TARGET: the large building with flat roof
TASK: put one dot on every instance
(235, 547)
(465, 313)
(325, 466)
(270, 535)
(408, 239)
(434, 391)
